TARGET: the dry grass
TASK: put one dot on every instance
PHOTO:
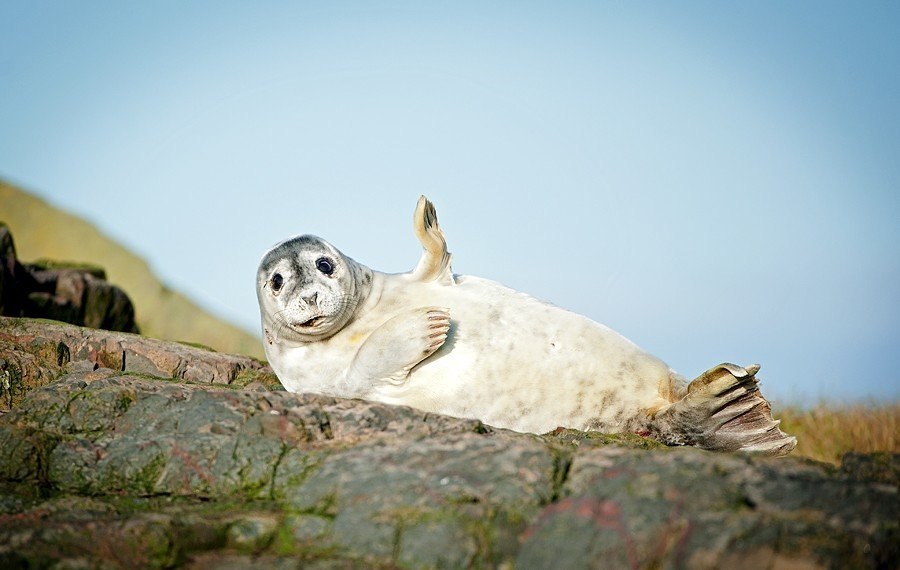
(827, 431)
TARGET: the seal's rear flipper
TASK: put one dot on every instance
(723, 410)
(434, 265)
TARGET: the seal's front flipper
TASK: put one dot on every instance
(434, 265)
(723, 410)
(395, 347)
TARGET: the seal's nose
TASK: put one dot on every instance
(310, 300)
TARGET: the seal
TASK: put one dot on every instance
(472, 348)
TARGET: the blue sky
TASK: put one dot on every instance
(717, 181)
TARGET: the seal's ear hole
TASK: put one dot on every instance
(277, 282)
(325, 265)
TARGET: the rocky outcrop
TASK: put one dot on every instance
(71, 293)
(111, 468)
(34, 353)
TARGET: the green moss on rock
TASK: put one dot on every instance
(53, 264)
(595, 438)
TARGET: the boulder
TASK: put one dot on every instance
(72, 293)
(34, 353)
(105, 467)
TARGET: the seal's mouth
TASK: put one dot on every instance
(311, 322)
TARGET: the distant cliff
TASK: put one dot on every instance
(44, 232)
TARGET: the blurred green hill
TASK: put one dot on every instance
(41, 231)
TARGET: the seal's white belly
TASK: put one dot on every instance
(472, 348)
(519, 363)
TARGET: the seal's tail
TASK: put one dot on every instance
(723, 410)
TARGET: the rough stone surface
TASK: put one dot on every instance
(34, 353)
(114, 469)
(71, 293)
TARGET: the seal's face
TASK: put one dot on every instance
(308, 290)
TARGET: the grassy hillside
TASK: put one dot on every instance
(42, 231)
(827, 431)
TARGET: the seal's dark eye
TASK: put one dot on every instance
(277, 282)
(325, 265)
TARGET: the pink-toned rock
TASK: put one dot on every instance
(34, 353)
(140, 455)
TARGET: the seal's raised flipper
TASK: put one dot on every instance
(723, 410)
(391, 351)
(434, 265)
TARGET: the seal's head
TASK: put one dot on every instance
(308, 290)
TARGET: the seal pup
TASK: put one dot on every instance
(470, 347)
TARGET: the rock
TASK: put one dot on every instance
(71, 293)
(112, 468)
(686, 508)
(879, 467)
(34, 353)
